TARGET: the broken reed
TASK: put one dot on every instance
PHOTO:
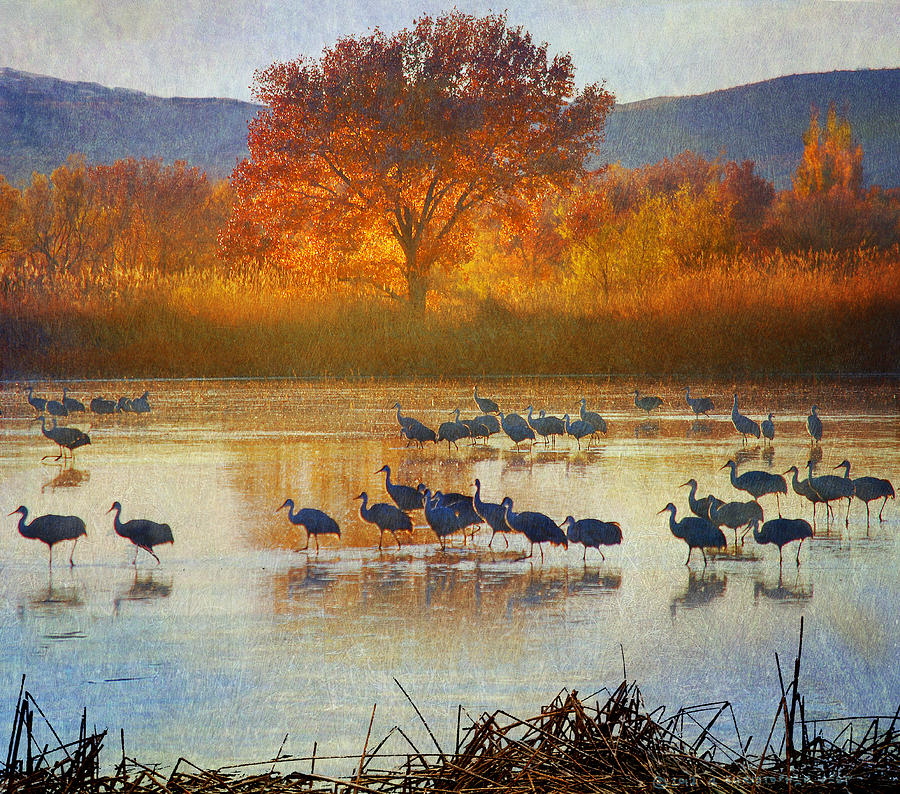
(571, 746)
(746, 314)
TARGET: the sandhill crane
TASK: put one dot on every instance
(758, 483)
(51, 529)
(70, 403)
(867, 489)
(782, 531)
(451, 432)
(141, 405)
(485, 404)
(647, 403)
(697, 532)
(592, 533)
(143, 533)
(804, 489)
(735, 515)
(537, 527)
(516, 428)
(830, 487)
(442, 520)
(814, 425)
(38, 403)
(384, 516)
(767, 427)
(99, 405)
(56, 408)
(743, 424)
(578, 429)
(69, 438)
(405, 496)
(593, 417)
(494, 515)
(699, 507)
(416, 431)
(699, 405)
(314, 521)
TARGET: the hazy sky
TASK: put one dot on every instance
(642, 49)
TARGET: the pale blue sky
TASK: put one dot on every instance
(642, 49)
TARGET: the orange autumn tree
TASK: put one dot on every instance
(368, 165)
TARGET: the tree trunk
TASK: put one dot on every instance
(418, 289)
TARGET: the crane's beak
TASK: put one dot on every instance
(686, 483)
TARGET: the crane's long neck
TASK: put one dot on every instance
(23, 527)
(675, 526)
(476, 500)
(846, 467)
(456, 414)
(795, 478)
(734, 408)
(692, 496)
(387, 478)
(363, 506)
(566, 419)
(732, 467)
(117, 523)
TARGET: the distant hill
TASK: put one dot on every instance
(43, 120)
(764, 122)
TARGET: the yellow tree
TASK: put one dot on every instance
(369, 164)
(831, 159)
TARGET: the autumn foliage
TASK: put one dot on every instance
(371, 164)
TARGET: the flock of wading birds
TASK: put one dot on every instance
(449, 514)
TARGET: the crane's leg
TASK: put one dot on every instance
(51, 559)
(867, 513)
(306, 547)
(541, 550)
(703, 552)
(492, 538)
(602, 555)
(134, 559)
(530, 553)
(72, 554)
(150, 552)
(584, 556)
(380, 537)
(688, 560)
(778, 502)
(882, 508)
(799, 546)
(398, 540)
(847, 517)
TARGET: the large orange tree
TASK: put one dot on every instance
(368, 165)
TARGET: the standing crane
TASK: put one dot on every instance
(814, 426)
(314, 521)
(830, 487)
(494, 515)
(70, 403)
(867, 489)
(743, 424)
(804, 489)
(537, 527)
(758, 483)
(38, 403)
(516, 428)
(69, 438)
(442, 519)
(700, 507)
(592, 417)
(647, 403)
(782, 531)
(767, 426)
(384, 516)
(578, 429)
(51, 529)
(142, 532)
(592, 533)
(485, 404)
(699, 405)
(405, 496)
(697, 532)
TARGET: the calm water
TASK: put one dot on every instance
(236, 640)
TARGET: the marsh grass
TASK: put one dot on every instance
(746, 314)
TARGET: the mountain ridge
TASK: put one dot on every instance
(43, 119)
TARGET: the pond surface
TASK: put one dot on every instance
(235, 639)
